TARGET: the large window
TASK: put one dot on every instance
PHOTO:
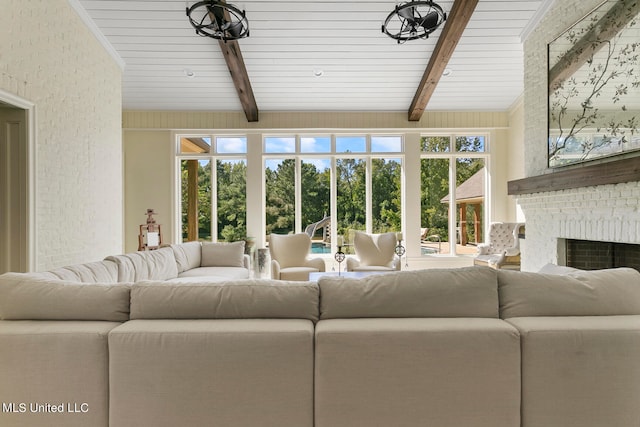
(318, 184)
(453, 208)
(213, 171)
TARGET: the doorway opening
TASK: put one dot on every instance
(15, 184)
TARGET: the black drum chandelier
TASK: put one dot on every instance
(413, 20)
(218, 20)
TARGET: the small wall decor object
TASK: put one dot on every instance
(594, 86)
(150, 236)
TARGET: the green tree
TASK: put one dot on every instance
(280, 197)
(232, 200)
(351, 185)
(386, 195)
(315, 193)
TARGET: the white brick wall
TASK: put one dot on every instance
(606, 213)
(49, 57)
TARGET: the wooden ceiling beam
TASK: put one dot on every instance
(454, 26)
(238, 70)
(233, 57)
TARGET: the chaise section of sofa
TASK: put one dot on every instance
(416, 349)
(53, 350)
(580, 337)
(225, 354)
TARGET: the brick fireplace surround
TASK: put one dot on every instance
(604, 213)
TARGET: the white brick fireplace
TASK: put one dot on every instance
(608, 213)
(602, 212)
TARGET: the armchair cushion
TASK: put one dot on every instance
(375, 249)
(290, 250)
(503, 239)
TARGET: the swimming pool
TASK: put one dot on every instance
(320, 248)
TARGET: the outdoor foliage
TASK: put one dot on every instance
(231, 200)
(435, 179)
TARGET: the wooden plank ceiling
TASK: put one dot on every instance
(292, 41)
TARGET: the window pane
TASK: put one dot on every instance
(190, 145)
(235, 145)
(316, 187)
(196, 199)
(280, 195)
(231, 200)
(386, 144)
(351, 144)
(470, 144)
(470, 176)
(434, 175)
(315, 144)
(435, 144)
(386, 195)
(351, 185)
(279, 144)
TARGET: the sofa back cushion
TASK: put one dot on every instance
(582, 293)
(243, 299)
(461, 292)
(91, 272)
(146, 265)
(223, 254)
(25, 297)
(188, 255)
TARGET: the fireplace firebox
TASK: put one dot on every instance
(594, 255)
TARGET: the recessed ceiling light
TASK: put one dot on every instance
(318, 72)
(189, 73)
(447, 72)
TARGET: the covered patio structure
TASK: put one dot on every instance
(469, 193)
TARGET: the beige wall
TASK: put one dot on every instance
(148, 180)
(515, 167)
(51, 59)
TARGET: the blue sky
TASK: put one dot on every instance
(322, 144)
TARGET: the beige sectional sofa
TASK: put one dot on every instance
(448, 348)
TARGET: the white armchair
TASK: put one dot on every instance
(289, 257)
(503, 247)
(374, 252)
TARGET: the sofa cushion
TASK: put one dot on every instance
(24, 297)
(461, 292)
(91, 272)
(243, 299)
(223, 254)
(557, 269)
(580, 371)
(188, 255)
(583, 293)
(55, 361)
(146, 265)
(223, 273)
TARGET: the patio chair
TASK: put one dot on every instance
(374, 252)
(289, 257)
(503, 247)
